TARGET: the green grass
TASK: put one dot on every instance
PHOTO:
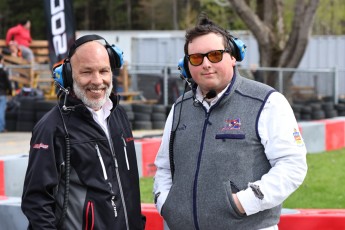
(146, 188)
(323, 187)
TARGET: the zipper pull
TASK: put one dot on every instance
(125, 149)
(114, 205)
(101, 161)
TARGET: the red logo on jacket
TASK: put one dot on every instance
(40, 146)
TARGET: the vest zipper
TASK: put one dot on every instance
(195, 184)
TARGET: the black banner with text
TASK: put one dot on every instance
(60, 28)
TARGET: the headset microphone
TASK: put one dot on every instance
(211, 94)
(66, 92)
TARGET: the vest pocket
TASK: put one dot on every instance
(231, 136)
(229, 186)
(89, 216)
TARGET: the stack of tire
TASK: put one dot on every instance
(11, 115)
(340, 107)
(129, 112)
(26, 114)
(329, 109)
(42, 107)
(142, 116)
(147, 117)
(316, 110)
(158, 116)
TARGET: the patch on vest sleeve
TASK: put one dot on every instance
(298, 138)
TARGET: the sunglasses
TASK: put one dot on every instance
(213, 56)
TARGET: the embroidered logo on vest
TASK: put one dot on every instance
(232, 124)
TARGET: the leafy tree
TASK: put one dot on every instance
(278, 46)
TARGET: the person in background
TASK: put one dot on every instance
(21, 35)
(231, 150)
(5, 90)
(15, 51)
(82, 171)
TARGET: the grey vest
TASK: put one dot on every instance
(216, 154)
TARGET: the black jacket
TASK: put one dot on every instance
(103, 191)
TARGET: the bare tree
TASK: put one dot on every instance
(278, 47)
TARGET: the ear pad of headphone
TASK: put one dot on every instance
(115, 54)
(62, 75)
(238, 48)
(67, 74)
(181, 66)
(58, 75)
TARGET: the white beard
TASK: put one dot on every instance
(95, 104)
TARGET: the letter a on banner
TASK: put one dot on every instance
(60, 28)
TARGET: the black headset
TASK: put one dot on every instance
(237, 47)
(62, 74)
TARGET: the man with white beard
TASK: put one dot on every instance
(82, 171)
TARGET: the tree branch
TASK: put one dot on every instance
(300, 33)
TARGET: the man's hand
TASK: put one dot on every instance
(238, 203)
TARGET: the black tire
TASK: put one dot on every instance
(319, 114)
(316, 106)
(130, 115)
(27, 103)
(158, 117)
(11, 125)
(25, 126)
(331, 113)
(159, 109)
(138, 116)
(297, 107)
(158, 124)
(305, 117)
(142, 108)
(127, 107)
(11, 115)
(340, 107)
(26, 115)
(142, 125)
(306, 110)
(44, 105)
(328, 106)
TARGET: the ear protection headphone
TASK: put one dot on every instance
(238, 51)
(62, 74)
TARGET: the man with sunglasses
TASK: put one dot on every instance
(231, 151)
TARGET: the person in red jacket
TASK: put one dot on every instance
(21, 35)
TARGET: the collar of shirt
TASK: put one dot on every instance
(208, 103)
(101, 115)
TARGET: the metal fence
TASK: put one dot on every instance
(162, 81)
(306, 83)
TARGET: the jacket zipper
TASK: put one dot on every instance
(119, 180)
(106, 178)
(125, 149)
(102, 162)
(113, 200)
